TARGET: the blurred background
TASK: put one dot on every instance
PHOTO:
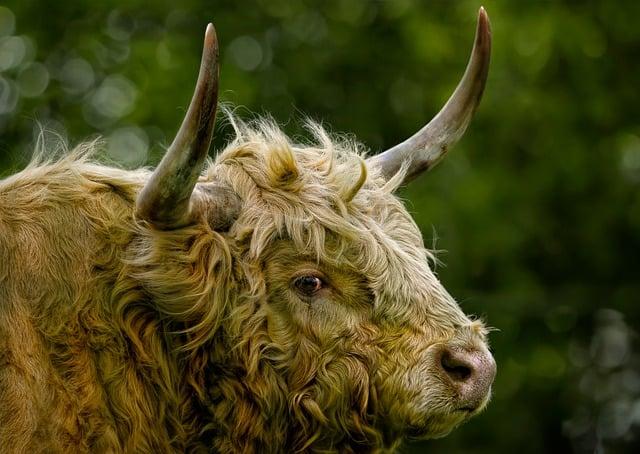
(536, 212)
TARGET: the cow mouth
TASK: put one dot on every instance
(469, 410)
(438, 426)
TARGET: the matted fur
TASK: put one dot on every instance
(117, 337)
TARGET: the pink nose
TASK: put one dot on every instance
(470, 372)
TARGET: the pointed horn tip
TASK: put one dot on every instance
(484, 25)
(210, 38)
(482, 14)
(483, 31)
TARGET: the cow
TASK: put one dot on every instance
(276, 299)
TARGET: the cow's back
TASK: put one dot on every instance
(63, 229)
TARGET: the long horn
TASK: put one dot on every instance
(165, 201)
(426, 147)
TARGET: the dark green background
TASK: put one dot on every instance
(538, 207)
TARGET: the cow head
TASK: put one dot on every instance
(330, 327)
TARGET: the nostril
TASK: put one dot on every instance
(455, 367)
(469, 372)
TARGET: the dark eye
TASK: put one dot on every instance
(308, 285)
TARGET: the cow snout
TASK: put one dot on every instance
(470, 373)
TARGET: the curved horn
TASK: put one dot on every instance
(165, 200)
(426, 147)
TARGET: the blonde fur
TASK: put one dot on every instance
(117, 337)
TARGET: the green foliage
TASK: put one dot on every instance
(538, 207)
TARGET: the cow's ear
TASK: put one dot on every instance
(282, 168)
(349, 191)
(218, 205)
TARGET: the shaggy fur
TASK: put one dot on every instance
(118, 337)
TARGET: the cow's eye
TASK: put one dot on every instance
(308, 285)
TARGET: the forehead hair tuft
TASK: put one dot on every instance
(320, 195)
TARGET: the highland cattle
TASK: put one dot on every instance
(276, 299)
